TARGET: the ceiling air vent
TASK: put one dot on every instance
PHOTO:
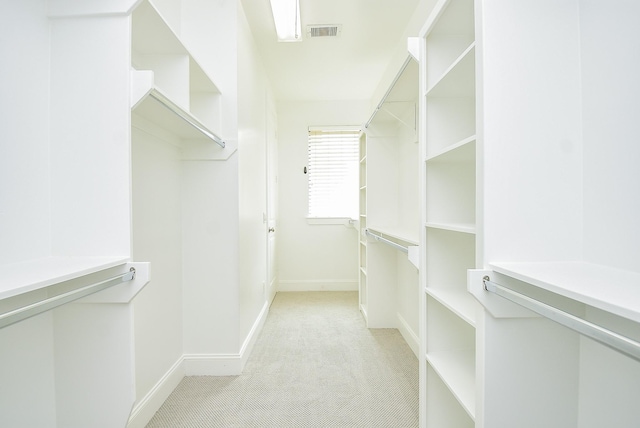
(324, 30)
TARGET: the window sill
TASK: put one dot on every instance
(344, 221)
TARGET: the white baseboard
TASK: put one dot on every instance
(318, 285)
(226, 364)
(145, 408)
(409, 336)
(212, 364)
(272, 290)
(195, 365)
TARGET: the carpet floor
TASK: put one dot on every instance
(315, 364)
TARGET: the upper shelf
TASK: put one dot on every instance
(454, 227)
(459, 79)
(400, 100)
(159, 109)
(462, 151)
(170, 90)
(151, 35)
(449, 32)
(609, 289)
(451, 18)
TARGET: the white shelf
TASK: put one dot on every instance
(397, 233)
(170, 90)
(462, 151)
(403, 93)
(457, 371)
(158, 109)
(459, 302)
(454, 227)
(450, 18)
(23, 277)
(612, 290)
(459, 79)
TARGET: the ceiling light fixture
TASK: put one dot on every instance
(286, 15)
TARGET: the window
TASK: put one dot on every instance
(333, 173)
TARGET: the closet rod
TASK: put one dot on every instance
(600, 334)
(187, 118)
(386, 241)
(41, 306)
(386, 94)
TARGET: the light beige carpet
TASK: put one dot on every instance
(315, 364)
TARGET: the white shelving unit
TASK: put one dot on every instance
(448, 321)
(79, 208)
(389, 208)
(108, 68)
(171, 91)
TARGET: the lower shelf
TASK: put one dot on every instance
(457, 371)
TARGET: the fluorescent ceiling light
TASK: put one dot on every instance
(286, 15)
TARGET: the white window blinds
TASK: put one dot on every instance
(333, 173)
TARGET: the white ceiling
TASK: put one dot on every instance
(347, 67)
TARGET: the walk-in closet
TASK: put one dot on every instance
(161, 266)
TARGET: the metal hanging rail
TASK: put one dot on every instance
(175, 109)
(600, 334)
(387, 242)
(36, 308)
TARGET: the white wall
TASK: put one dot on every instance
(254, 98)
(27, 395)
(24, 131)
(211, 197)
(311, 257)
(157, 238)
(210, 258)
(227, 271)
(408, 309)
(610, 93)
(609, 381)
(533, 154)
